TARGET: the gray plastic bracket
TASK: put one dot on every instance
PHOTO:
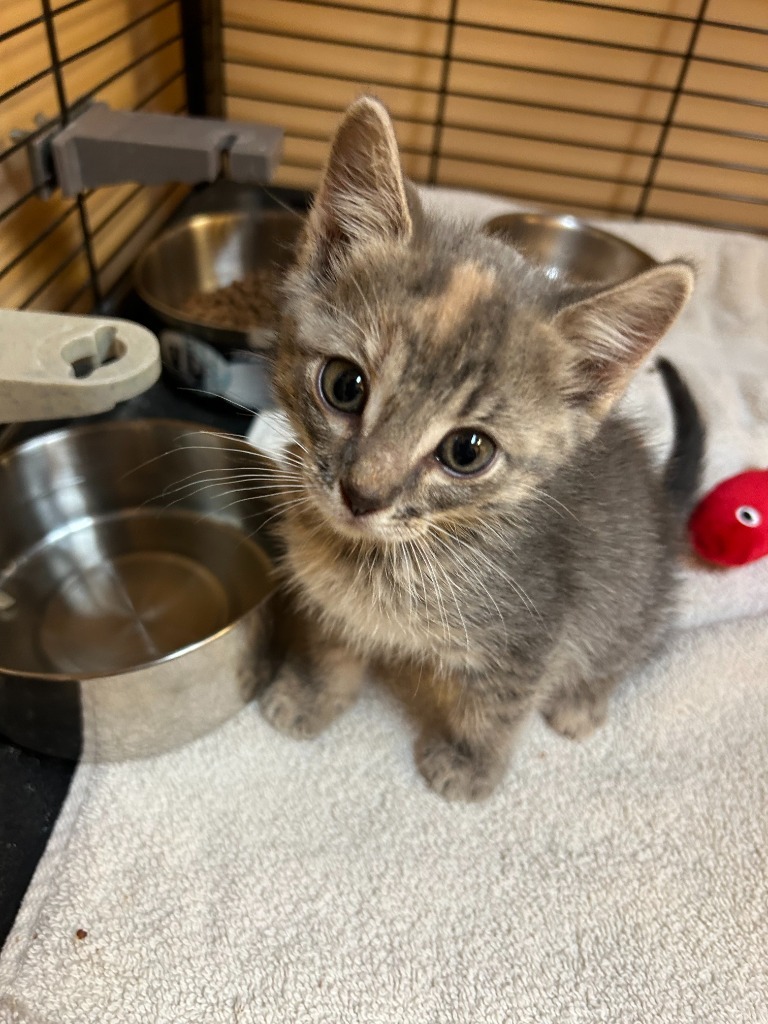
(109, 147)
(37, 143)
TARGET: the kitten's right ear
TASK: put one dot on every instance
(362, 197)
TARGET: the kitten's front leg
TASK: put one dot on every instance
(317, 679)
(467, 757)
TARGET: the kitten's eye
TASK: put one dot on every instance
(343, 386)
(466, 451)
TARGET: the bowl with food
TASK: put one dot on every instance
(215, 276)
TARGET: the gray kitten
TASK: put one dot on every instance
(463, 513)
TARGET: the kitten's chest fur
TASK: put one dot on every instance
(394, 603)
(600, 551)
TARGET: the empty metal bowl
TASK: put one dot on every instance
(209, 251)
(569, 249)
(133, 611)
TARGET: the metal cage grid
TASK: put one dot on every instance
(647, 109)
(66, 254)
(673, 69)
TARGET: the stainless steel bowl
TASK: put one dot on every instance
(569, 249)
(210, 251)
(133, 611)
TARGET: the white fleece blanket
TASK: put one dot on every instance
(249, 878)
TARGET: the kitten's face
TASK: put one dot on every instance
(422, 394)
(433, 378)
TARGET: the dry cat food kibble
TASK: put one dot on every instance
(249, 302)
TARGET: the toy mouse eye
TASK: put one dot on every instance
(748, 516)
(343, 386)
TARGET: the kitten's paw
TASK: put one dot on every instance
(576, 715)
(455, 772)
(298, 707)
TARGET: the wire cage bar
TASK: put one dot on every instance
(636, 109)
(657, 108)
(67, 254)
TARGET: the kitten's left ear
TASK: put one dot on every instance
(361, 198)
(610, 334)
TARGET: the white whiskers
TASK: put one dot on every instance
(492, 567)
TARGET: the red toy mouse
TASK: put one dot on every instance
(729, 526)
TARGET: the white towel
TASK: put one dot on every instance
(252, 878)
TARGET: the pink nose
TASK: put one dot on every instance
(359, 502)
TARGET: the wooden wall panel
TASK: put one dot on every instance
(594, 25)
(357, 64)
(299, 64)
(750, 13)
(626, 107)
(86, 74)
(591, 131)
(62, 254)
(578, 59)
(24, 56)
(36, 240)
(351, 26)
(565, 103)
(130, 227)
(556, 90)
(553, 190)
